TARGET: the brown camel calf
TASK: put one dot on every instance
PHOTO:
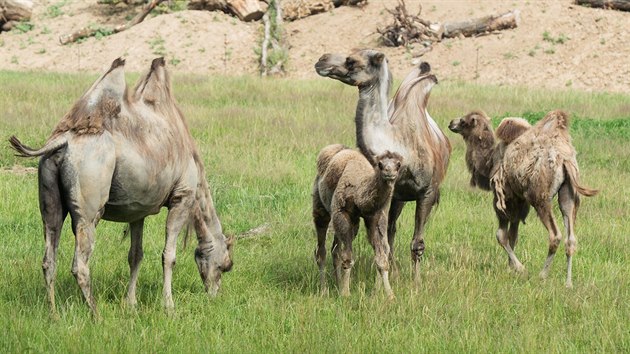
(529, 166)
(347, 188)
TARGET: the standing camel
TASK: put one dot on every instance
(346, 189)
(529, 167)
(122, 156)
(403, 126)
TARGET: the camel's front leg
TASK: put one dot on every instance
(321, 219)
(504, 240)
(134, 258)
(345, 229)
(377, 234)
(395, 209)
(423, 209)
(178, 216)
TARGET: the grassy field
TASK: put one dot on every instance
(259, 139)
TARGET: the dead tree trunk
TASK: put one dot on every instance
(247, 10)
(622, 5)
(91, 31)
(482, 25)
(13, 11)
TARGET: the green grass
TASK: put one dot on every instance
(259, 139)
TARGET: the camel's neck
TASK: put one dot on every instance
(206, 220)
(480, 150)
(375, 193)
(374, 133)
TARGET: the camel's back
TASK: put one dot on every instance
(534, 161)
(332, 176)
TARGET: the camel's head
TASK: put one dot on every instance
(388, 165)
(361, 68)
(213, 259)
(474, 123)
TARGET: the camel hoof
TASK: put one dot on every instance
(569, 285)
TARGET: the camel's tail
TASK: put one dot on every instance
(325, 155)
(571, 170)
(50, 146)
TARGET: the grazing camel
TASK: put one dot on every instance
(403, 126)
(122, 156)
(346, 189)
(529, 167)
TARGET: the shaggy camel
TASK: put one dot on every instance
(403, 126)
(122, 156)
(528, 167)
(346, 189)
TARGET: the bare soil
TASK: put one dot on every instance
(586, 49)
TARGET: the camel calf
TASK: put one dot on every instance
(529, 166)
(348, 187)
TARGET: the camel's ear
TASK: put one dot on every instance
(424, 67)
(377, 59)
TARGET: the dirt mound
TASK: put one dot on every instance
(557, 45)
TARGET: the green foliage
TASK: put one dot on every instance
(561, 39)
(157, 46)
(259, 140)
(55, 10)
(277, 51)
(103, 32)
(23, 27)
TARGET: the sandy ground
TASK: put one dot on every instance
(595, 57)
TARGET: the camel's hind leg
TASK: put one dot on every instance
(546, 217)
(513, 238)
(423, 209)
(321, 218)
(134, 258)
(53, 215)
(569, 202)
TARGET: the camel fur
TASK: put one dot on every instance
(347, 187)
(529, 166)
(122, 155)
(402, 125)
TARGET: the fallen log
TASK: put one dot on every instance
(297, 9)
(13, 11)
(621, 5)
(92, 31)
(247, 10)
(482, 25)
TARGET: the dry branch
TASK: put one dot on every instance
(622, 5)
(13, 11)
(91, 31)
(409, 28)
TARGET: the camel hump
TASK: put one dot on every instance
(155, 86)
(554, 120)
(325, 156)
(511, 128)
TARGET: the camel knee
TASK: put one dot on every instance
(554, 242)
(571, 246)
(346, 259)
(382, 262)
(320, 255)
(168, 259)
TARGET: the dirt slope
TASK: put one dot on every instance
(595, 55)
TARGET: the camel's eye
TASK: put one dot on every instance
(350, 63)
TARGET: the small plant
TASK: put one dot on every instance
(45, 30)
(532, 53)
(103, 32)
(157, 46)
(569, 83)
(14, 60)
(456, 63)
(561, 39)
(55, 10)
(23, 27)
(550, 50)
(509, 55)
(41, 51)
(174, 61)
(602, 41)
